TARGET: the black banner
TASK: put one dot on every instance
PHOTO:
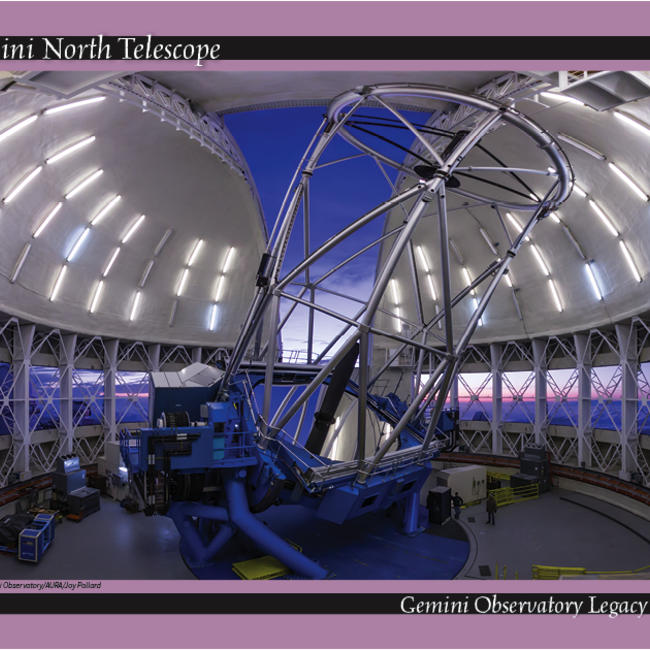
(245, 48)
(611, 605)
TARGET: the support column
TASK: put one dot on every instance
(496, 368)
(197, 355)
(453, 394)
(540, 428)
(584, 432)
(627, 346)
(66, 370)
(110, 371)
(20, 367)
(153, 353)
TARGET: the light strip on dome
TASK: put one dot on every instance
(629, 260)
(468, 279)
(58, 283)
(130, 232)
(579, 191)
(111, 261)
(394, 289)
(506, 277)
(20, 262)
(219, 290)
(71, 149)
(398, 318)
(105, 210)
(96, 296)
(182, 282)
(629, 182)
(19, 126)
(162, 242)
(136, 305)
(633, 121)
(540, 260)
(230, 256)
(475, 305)
(556, 295)
(145, 273)
(213, 318)
(592, 280)
(172, 314)
(71, 105)
(603, 217)
(578, 144)
(423, 259)
(515, 222)
(459, 257)
(22, 184)
(195, 252)
(432, 288)
(84, 184)
(555, 218)
(47, 220)
(566, 98)
(77, 245)
(486, 237)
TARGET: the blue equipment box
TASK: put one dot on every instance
(34, 540)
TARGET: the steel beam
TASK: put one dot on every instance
(627, 347)
(584, 431)
(540, 427)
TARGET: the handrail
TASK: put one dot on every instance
(546, 572)
(508, 495)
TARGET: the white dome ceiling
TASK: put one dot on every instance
(181, 186)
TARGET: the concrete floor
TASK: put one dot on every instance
(556, 532)
(113, 544)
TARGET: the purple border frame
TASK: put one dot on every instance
(332, 18)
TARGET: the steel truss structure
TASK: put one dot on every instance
(443, 152)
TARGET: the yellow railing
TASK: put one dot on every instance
(543, 572)
(507, 495)
(499, 476)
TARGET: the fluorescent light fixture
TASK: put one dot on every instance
(475, 306)
(398, 319)
(459, 257)
(554, 216)
(136, 306)
(77, 245)
(20, 262)
(71, 105)
(423, 259)
(506, 277)
(566, 98)
(47, 220)
(579, 191)
(515, 223)
(486, 237)
(145, 273)
(230, 256)
(195, 252)
(182, 282)
(58, 283)
(604, 218)
(630, 260)
(19, 126)
(592, 280)
(578, 144)
(432, 289)
(111, 261)
(213, 318)
(22, 184)
(172, 314)
(532, 196)
(394, 291)
(84, 183)
(551, 170)
(129, 233)
(220, 286)
(628, 181)
(96, 296)
(633, 121)
(468, 279)
(69, 150)
(162, 242)
(556, 295)
(105, 210)
(540, 260)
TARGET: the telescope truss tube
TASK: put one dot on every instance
(424, 187)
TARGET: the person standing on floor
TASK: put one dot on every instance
(457, 502)
(491, 507)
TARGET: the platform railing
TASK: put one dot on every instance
(508, 495)
(546, 572)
